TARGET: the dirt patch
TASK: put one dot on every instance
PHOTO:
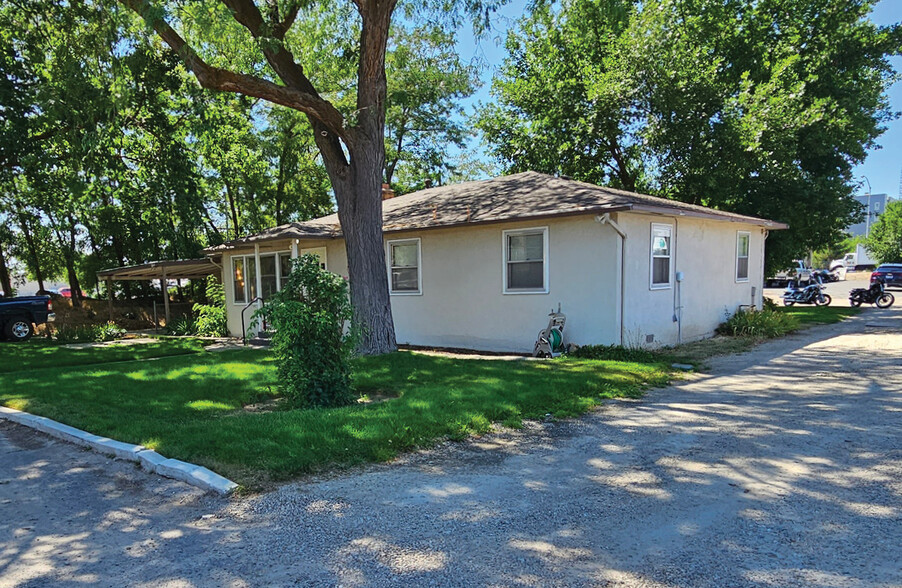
(267, 405)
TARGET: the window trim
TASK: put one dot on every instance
(651, 258)
(245, 257)
(748, 256)
(388, 246)
(505, 252)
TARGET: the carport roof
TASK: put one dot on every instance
(155, 270)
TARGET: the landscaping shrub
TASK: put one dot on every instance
(211, 317)
(313, 338)
(759, 323)
(617, 353)
(183, 326)
(88, 333)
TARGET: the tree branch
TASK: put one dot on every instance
(298, 97)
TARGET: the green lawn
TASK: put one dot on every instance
(193, 407)
(39, 353)
(819, 315)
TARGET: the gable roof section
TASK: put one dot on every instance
(523, 196)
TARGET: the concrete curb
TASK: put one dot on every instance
(148, 459)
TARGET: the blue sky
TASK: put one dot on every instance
(882, 167)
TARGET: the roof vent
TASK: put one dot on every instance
(387, 192)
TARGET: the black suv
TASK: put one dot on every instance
(890, 273)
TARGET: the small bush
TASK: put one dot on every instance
(211, 318)
(759, 323)
(88, 333)
(617, 353)
(769, 304)
(183, 326)
(313, 337)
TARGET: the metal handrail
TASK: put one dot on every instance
(243, 329)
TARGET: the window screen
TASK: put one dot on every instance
(526, 261)
(660, 255)
(742, 256)
(405, 266)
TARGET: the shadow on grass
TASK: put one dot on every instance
(192, 407)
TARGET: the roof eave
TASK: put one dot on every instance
(675, 211)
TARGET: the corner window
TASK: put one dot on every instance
(274, 268)
(661, 252)
(742, 256)
(526, 261)
(238, 279)
(404, 266)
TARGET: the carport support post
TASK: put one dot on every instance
(109, 292)
(164, 285)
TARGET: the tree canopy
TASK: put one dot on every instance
(884, 243)
(761, 108)
(110, 153)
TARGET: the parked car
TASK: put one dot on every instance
(65, 292)
(18, 316)
(890, 273)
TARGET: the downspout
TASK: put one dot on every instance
(677, 284)
(606, 219)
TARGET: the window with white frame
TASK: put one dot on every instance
(742, 256)
(526, 261)
(238, 280)
(274, 268)
(661, 254)
(404, 266)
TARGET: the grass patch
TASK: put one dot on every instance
(192, 407)
(819, 315)
(39, 353)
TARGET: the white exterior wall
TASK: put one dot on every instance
(705, 251)
(462, 304)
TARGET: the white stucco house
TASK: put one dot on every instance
(479, 265)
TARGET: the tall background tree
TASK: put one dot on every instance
(212, 38)
(884, 242)
(760, 108)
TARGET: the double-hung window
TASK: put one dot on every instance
(661, 254)
(404, 266)
(526, 261)
(742, 256)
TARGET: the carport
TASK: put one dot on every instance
(179, 269)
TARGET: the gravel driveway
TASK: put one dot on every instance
(780, 467)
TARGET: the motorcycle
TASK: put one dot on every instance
(813, 293)
(876, 294)
(825, 276)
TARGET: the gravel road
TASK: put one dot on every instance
(779, 467)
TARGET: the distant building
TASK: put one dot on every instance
(874, 205)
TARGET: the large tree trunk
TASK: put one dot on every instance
(357, 179)
(360, 214)
(5, 282)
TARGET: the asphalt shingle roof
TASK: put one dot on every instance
(523, 196)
